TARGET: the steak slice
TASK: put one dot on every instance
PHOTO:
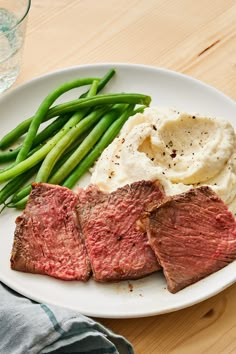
(193, 234)
(117, 246)
(47, 238)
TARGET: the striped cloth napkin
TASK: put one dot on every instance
(27, 327)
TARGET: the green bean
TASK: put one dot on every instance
(65, 142)
(21, 204)
(22, 193)
(42, 111)
(14, 184)
(93, 89)
(90, 159)
(112, 98)
(15, 133)
(85, 146)
(103, 81)
(22, 128)
(139, 110)
(68, 152)
(54, 127)
(51, 129)
(14, 163)
(10, 155)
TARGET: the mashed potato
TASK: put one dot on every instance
(178, 149)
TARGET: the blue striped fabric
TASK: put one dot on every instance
(27, 327)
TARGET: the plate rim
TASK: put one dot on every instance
(115, 64)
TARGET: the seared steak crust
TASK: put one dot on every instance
(47, 239)
(193, 234)
(117, 247)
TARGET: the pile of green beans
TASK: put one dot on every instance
(75, 135)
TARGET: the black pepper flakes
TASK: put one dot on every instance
(173, 155)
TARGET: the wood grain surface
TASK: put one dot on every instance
(197, 38)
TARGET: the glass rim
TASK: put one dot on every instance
(22, 18)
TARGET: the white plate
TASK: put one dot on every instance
(139, 298)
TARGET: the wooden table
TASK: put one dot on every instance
(197, 38)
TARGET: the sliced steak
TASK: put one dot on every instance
(117, 247)
(193, 234)
(47, 239)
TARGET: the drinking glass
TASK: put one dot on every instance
(13, 18)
